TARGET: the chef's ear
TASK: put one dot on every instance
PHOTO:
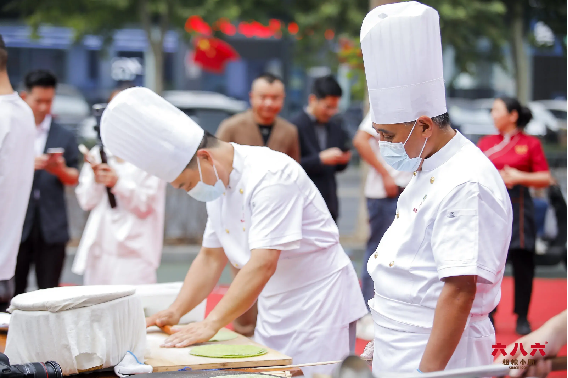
(426, 126)
(204, 155)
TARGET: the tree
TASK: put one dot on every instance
(518, 15)
(157, 17)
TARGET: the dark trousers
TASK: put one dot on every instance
(522, 261)
(381, 215)
(47, 260)
(6, 293)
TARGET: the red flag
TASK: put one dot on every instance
(212, 54)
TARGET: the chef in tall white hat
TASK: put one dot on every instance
(438, 269)
(265, 216)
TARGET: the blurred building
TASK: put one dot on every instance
(95, 69)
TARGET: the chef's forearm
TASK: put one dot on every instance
(246, 287)
(450, 317)
(200, 280)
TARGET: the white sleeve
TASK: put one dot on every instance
(139, 192)
(277, 212)
(88, 192)
(471, 234)
(210, 239)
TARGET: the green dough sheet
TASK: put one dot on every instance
(227, 351)
(224, 335)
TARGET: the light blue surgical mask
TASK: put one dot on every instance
(395, 154)
(204, 192)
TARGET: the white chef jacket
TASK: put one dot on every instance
(17, 131)
(121, 245)
(453, 219)
(305, 308)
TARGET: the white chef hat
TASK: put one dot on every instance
(147, 131)
(402, 53)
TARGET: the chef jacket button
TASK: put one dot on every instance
(391, 263)
(241, 191)
(397, 215)
(243, 228)
(375, 254)
(236, 265)
(432, 180)
(223, 193)
(414, 173)
(227, 230)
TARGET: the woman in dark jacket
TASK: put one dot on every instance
(520, 160)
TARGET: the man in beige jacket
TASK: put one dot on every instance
(261, 126)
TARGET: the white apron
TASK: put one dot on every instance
(399, 347)
(311, 323)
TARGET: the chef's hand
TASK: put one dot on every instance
(552, 334)
(105, 175)
(390, 186)
(163, 318)
(190, 334)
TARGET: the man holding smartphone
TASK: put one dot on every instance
(45, 232)
(324, 143)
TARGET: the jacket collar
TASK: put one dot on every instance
(445, 153)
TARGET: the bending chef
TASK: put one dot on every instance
(438, 269)
(265, 216)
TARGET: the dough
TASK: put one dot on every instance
(227, 351)
(224, 335)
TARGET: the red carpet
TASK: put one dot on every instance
(548, 299)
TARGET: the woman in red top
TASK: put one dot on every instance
(520, 160)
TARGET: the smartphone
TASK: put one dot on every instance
(55, 151)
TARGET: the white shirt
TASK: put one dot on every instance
(374, 187)
(121, 245)
(42, 130)
(17, 128)
(272, 204)
(453, 219)
(305, 308)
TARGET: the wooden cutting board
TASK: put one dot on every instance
(173, 359)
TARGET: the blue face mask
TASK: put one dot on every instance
(204, 192)
(395, 155)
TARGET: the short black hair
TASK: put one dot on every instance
(208, 141)
(443, 120)
(40, 78)
(269, 77)
(326, 86)
(3, 55)
(524, 113)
